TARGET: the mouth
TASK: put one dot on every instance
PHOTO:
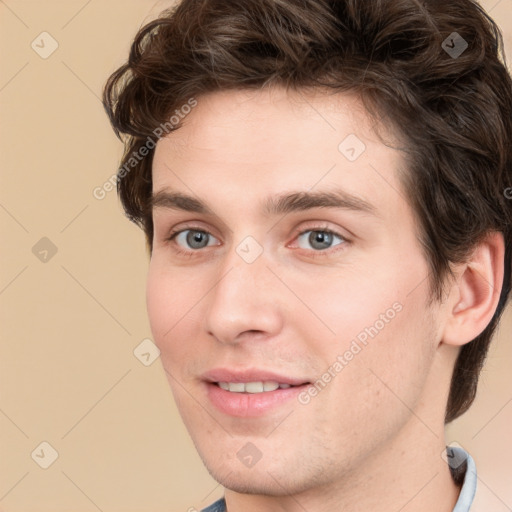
(253, 387)
(251, 393)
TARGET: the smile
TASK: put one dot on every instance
(252, 387)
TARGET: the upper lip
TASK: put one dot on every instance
(250, 375)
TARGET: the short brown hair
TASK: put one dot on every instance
(453, 112)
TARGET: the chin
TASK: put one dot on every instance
(249, 482)
(262, 479)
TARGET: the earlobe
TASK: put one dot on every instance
(475, 294)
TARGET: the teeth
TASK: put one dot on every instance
(252, 387)
(237, 387)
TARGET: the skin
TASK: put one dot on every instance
(373, 437)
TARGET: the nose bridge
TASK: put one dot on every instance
(243, 297)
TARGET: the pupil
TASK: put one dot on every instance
(321, 238)
(195, 238)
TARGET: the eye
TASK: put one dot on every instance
(190, 241)
(319, 239)
(192, 238)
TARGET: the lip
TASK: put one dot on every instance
(250, 405)
(251, 375)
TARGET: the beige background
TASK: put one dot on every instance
(68, 373)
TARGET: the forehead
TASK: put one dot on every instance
(268, 141)
(278, 119)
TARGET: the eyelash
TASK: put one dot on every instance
(315, 254)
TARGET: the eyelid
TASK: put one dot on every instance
(321, 226)
(191, 227)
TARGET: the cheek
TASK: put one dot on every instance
(385, 334)
(384, 380)
(355, 298)
(356, 307)
(159, 304)
(169, 301)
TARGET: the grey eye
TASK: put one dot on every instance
(318, 239)
(194, 239)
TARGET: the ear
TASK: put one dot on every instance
(475, 294)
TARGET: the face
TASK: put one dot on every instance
(288, 294)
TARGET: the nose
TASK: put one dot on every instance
(245, 303)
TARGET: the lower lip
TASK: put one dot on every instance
(250, 405)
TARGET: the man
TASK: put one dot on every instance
(323, 187)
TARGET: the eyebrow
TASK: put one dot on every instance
(276, 205)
